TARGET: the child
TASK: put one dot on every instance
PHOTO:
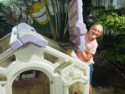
(95, 31)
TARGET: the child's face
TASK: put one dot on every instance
(95, 31)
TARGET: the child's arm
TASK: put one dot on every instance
(86, 56)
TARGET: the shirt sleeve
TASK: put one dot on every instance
(93, 48)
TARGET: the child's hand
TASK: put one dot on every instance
(86, 50)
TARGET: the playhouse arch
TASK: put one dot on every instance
(25, 66)
(29, 49)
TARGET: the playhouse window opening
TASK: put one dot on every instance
(50, 57)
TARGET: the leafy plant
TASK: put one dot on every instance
(112, 44)
(60, 23)
(112, 48)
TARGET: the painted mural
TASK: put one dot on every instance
(37, 14)
(33, 12)
(48, 17)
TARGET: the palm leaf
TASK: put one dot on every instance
(59, 24)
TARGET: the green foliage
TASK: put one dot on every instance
(112, 44)
(112, 48)
(110, 19)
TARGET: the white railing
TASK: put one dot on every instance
(30, 51)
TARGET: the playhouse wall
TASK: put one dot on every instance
(4, 43)
(43, 88)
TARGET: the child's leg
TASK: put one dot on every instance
(91, 72)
